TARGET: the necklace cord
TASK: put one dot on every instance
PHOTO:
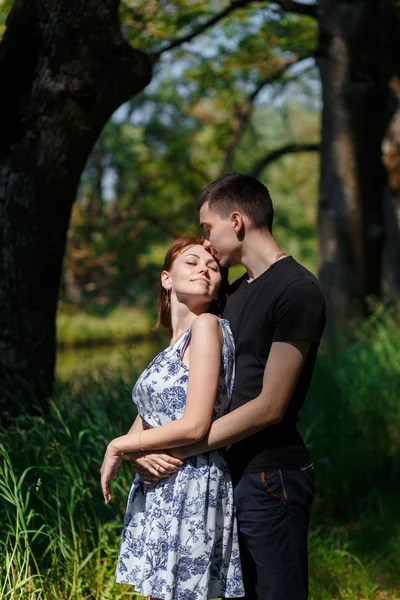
(277, 257)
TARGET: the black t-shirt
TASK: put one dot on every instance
(283, 304)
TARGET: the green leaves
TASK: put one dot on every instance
(206, 111)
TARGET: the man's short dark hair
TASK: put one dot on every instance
(236, 191)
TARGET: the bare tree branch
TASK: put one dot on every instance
(276, 154)
(271, 77)
(245, 111)
(201, 28)
(309, 10)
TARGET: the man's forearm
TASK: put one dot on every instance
(280, 377)
(281, 374)
(233, 427)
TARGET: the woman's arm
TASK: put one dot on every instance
(205, 360)
(137, 425)
(151, 466)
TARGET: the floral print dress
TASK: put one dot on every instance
(179, 540)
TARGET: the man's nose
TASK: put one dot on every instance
(206, 244)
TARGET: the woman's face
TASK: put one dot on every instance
(195, 274)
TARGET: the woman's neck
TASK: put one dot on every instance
(182, 318)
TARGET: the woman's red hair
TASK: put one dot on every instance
(164, 305)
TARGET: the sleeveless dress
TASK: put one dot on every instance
(179, 540)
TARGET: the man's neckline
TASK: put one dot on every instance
(263, 274)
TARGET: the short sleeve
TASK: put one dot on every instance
(300, 313)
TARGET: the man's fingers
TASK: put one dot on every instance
(149, 483)
(129, 455)
(139, 470)
(151, 478)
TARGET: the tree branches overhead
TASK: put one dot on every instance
(276, 154)
(244, 111)
(220, 101)
(201, 28)
(287, 5)
(309, 10)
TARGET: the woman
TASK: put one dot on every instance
(179, 540)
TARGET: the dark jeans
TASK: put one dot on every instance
(273, 517)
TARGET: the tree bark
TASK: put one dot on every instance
(391, 203)
(64, 68)
(356, 60)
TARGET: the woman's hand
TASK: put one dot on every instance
(109, 470)
(153, 466)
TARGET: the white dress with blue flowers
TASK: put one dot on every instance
(179, 540)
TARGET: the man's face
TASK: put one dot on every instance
(220, 237)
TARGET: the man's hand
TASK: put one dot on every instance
(182, 452)
(153, 466)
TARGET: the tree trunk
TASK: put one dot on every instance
(391, 205)
(64, 68)
(356, 59)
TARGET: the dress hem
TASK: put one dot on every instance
(142, 592)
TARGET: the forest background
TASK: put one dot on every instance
(234, 87)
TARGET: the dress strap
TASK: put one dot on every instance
(184, 343)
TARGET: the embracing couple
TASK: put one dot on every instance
(219, 507)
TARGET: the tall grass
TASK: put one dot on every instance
(59, 541)
(58, 538)
(352, 420)
(106, 325)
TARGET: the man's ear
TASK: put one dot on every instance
(166, 280)
(237, 222)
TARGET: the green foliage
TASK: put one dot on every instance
(337, 572)
(59, 540)
(207, 108)
(117, 339)
(149, 24)
(104, 325)
(5, 7)
(115, 254)
(351, 420)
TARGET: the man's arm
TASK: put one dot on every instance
(151, 466)
(283, 368)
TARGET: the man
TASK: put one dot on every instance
(277, 315)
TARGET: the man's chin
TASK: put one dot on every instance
(226, 261)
